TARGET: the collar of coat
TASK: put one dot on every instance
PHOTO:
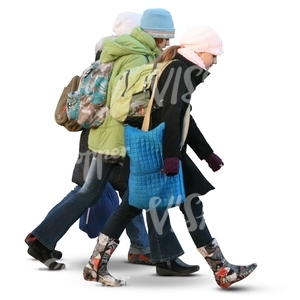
(198, 74)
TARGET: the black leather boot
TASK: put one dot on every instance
(37, 250)
(175, 268)
(31, 238)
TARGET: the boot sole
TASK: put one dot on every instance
(50, 263)
(165, 272)
(57, 254)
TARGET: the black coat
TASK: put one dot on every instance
(84, 160)
(179, 80)
(172, 114)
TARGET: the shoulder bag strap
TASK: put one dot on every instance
(185, 127)
(147, 116)
(146, 121)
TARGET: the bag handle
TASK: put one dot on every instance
(146, 121)
(185, 128)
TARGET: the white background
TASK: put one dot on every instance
(246, 109)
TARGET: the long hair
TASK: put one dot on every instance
(168, 54)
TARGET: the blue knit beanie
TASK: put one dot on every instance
(158, 23)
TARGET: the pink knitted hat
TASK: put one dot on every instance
(202, 38)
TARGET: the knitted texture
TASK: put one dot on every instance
(214, 162)
(158, 23)
(202, 38)
(171, 166)
(125, 22)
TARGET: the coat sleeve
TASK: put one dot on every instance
(172, 87)
(197, 141)
(176, 96)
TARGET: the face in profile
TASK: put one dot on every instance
(208, 59)
(162, 43)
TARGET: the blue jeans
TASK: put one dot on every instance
(64, 214)
(163, 247)
(164, 244)
(163, 241)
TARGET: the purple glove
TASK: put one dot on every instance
(171, 166)
(214, 162)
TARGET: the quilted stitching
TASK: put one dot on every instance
(149, 186)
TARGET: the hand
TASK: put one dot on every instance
(214, 162)
(171, 166)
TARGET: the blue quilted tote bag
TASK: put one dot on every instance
(149, 187)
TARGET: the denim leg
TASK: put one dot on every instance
(70, 194)
(56, 208)
(164, 244)
(67, 212)
(192, 210)
(137, 233)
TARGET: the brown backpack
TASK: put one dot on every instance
(60, 114)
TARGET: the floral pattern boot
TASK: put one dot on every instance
(225, 273)
(96, 268)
